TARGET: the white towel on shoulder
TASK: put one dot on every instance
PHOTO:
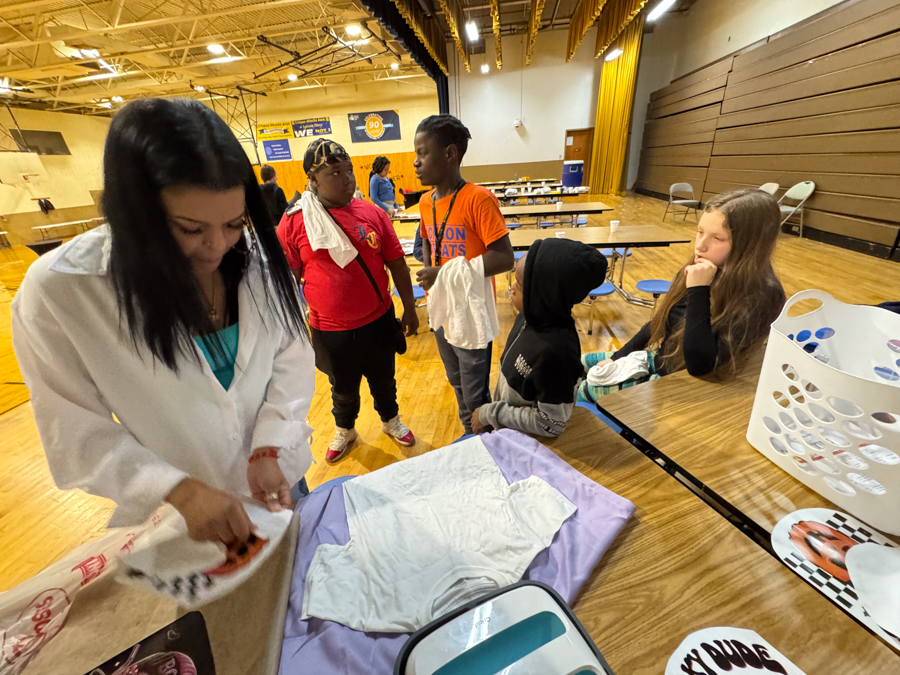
(324, 232)
(629, 367)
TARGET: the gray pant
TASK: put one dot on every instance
(469, 372)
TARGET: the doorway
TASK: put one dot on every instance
(578, 146)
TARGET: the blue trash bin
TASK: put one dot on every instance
(573, 173)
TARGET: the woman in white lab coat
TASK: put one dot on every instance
(166, 353)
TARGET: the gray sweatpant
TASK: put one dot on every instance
(469, 372)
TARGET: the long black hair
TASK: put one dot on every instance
(154, 143)
(378, 165)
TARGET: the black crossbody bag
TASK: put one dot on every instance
(397, 332)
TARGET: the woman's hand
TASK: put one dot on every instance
(267, 482)
(210, 514)
(701, 273)
(600, 364)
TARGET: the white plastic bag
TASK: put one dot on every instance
(35, 610)
(193, 573)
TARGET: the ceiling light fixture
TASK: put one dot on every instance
(292, 77)
(395, 66)
(614, 54)
(660, 9)
(485, 68)
(105, 104)
(222, 59)
(199, 87)
(472, 31)
(117, 99)
(90, 53)
(216, 49)
(353, 29)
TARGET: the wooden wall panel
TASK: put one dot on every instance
(860, 75)
(871, 185)
(823, 23)
(853, 99)
(880, 18)
(854, 120)
(690, 92)
(819, 101)
(689, 103)
(667, 137)
(864, 141)
(877, 163)
(722, 67)
(868, 52)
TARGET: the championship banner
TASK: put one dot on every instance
(272, 130)
(383, 125)
(314, 126)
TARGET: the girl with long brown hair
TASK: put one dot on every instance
(721, 302)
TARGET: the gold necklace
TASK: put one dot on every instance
(213, 313)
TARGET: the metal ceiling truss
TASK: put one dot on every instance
(332, 54)
(7, 142)
(88, 56)
(238, 113)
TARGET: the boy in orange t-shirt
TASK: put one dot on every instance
(466, 219)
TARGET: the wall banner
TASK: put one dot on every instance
(382, 125)
(314, 126)
(277, 151)
(272, 130)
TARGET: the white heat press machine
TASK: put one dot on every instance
(523, 629)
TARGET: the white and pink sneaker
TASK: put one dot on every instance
(398, 431)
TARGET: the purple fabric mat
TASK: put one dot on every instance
(318, 646)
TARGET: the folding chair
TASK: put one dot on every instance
(687, 204)
(770, 188)
(799, 193)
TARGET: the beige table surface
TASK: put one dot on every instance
(678, 567)
(246, 627)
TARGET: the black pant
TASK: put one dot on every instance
(347, 355)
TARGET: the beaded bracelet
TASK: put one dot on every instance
(271, 453)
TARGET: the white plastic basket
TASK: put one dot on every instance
(827, 408)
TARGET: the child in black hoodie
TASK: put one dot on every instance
(541, 364)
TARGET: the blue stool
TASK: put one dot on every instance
(518, 255)
(513, 226)
(544, 224)
(418, 295)
(608, 252)
(656, 287)
(601, 291)
(582, 220)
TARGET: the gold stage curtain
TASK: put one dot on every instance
(537, 9)
(616, 15)
(584, 16)
(454, 17)
(495, 20)
(428, 30)
(614, 104)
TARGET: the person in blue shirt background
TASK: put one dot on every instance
(381, 189)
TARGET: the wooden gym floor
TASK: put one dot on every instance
(39, 523)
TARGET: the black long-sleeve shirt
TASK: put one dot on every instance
(701, 347)
(276, 202)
